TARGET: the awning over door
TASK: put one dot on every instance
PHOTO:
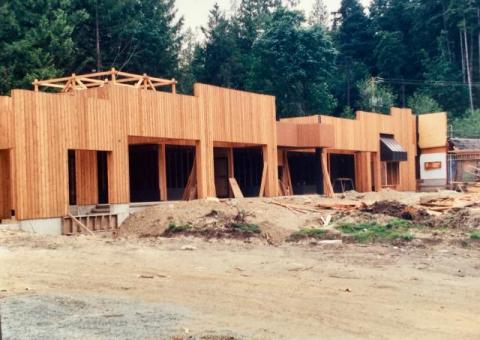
(391, 150)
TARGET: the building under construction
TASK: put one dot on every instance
(81, 153)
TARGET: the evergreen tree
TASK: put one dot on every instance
(142, 36)
(354, 39)
(36, 40)
(295, 64)
(217, 62)
(422, 103)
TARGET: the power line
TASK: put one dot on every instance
(397, 81)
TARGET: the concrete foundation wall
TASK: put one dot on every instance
(48, 226)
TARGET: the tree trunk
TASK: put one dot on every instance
(462, 56)
(467, 64)
(445, 28)
(478, 38)
(97, 39)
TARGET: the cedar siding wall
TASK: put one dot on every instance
(37, 129)
(362, 137)
(237, 118)
(106, 119)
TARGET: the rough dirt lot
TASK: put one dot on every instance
(136, 286)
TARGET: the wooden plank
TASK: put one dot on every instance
(190, 191)
(237, 192)
(264, 179)
(288, 178)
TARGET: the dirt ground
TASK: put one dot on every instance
(140, 285)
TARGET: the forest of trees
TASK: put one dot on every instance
(423, 54)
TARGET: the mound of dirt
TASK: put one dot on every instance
(397, 209)
(212, 216)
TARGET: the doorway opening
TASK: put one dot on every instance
(144, 173)
(306, 172)
(102, 171)
(221, 171)
(6, 210)
(248, 168)
(87, 177)
(342, 172)
(179, 162)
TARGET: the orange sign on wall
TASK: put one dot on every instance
(433, 165)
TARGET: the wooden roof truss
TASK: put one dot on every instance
(85, 81)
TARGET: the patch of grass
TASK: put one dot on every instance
(475, 235)
(307, 233)
(372, 231)
(174, 228)
(246, 227)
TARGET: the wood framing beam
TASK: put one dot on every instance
(84, 81)
(190, 191)
(264, 179)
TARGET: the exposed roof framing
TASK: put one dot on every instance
(85, 81)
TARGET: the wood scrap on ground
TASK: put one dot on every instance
(350, 205)
(444, 203)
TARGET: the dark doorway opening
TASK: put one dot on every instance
(6, 210)
(221, 172)
(248, 168)
(306, 172)
(102, 171)
(179, 161)
(342, 172)
(144, 173)
(72, 178)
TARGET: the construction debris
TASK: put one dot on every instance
(344, 205)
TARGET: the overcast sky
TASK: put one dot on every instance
(195, 12)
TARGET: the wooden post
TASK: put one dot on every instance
(162, 172)
(205, 170)
(271, 180)
(174, 86)
(377, 171)
(114, 75)
(35, 85)
(231, 165)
